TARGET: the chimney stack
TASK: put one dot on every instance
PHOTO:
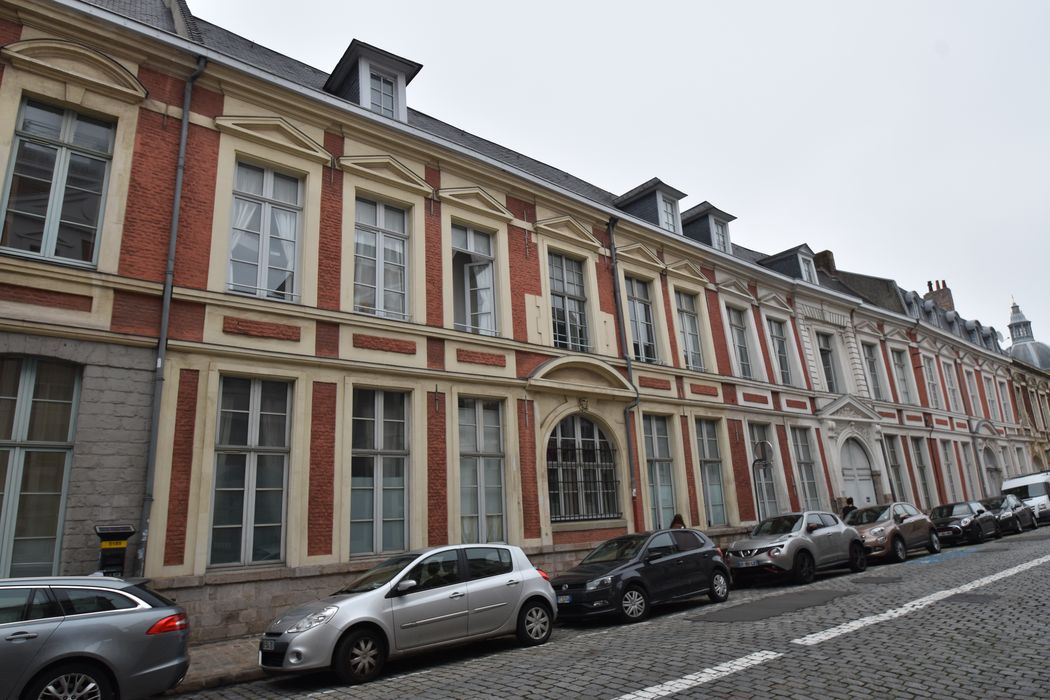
(825, 260)
(940, 294)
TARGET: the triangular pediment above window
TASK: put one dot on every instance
(688, 271)
(75, 63)
(568, 230)
(849, 407)
(867, 327)
(641, 254)
(476, 200)
(736, 289)
(274, 132)
(898, 335)
(775, 301)
(388, 170)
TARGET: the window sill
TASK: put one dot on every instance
(578, 525)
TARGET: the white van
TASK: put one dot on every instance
(1034, 490)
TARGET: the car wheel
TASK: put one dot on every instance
(1035, 523)
(74, 681)
(634, 605)
(899, 551)
(359, 657)
(858, 558)
(534, 624)
(804, 570)
(998, 533)
(719, 590)
(933, 546)
(978, 536)
(1017, 525)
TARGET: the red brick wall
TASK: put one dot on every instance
(489, 359)
(690, 474)
(330, 245)
(435, 275)
(45, 297)
(703, 390)
(774, 378)
(530, 498)
(581, 536)
(718, 337)
(745, 497)
(729, 394)
(888, 366)
(789, 473)
(801, 354)
(979, 380)
(824, 463)
(906, 448)
(935, 460)
(524, 265)
(235, 325)
(144, 244)
(375, 342)
(170, 90)
(654, 383)
(639, 514)
(181, 468)
(9, 32)
(320, 514)
(435, 353)
(139, 314)
(669, 311)
(962, 475)
(326, 339)
(526, 362)
(437, 469)
(920, 382)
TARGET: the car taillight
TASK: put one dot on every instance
(543, 574)
(171, 623)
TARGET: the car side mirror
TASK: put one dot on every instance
(899, 518)
(980, 512)
(812, 527)
(405, 584)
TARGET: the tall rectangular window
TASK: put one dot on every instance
(871, 367)
(481, 470)
(384, 91)
(948, 452)
(919, 453)
(720, 236)
(765, 487)
(806, 471)
(1004, 395)
(778, 335)
(668, 214)
(378, 471)
(473, 292)
(711, 472)
(661, 469)
(251, 472)
(900, 372)
(809, 274)
(738, 329)
(568, 303)
(933, 383)
(60, 166)
(381, 259)
(267, 208)
(971, 470)
(38, 405)
(954, 399)
(900, 490)
(640, 311)
(689, 325)
(975, 398)
(993, 404)
(826, 347)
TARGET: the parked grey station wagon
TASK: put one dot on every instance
(88, 638)
(410, 603)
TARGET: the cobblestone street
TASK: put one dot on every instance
(931, 627)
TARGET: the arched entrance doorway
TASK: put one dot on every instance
(581, 472)
(856, 474)
(995, 473)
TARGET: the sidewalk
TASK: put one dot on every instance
(221, 663)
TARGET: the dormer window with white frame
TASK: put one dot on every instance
(384, 94)
(809, 272)
(669, 220)
(720, 235)
(373, 78)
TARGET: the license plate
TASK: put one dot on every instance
(945, 532)
(564, 599)
(267, 645)
(746, 564)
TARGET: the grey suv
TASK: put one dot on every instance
(88, 638)
(797, 544)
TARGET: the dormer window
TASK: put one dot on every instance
(668, 214)
(809, 273)
(384, 91)
(720, 235)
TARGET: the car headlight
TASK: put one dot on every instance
(314, 619)
(877, 531)
(602, 582)
(965, 521)
(775, 552)
(1004, 516)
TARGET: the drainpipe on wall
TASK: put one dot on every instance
(165, 313)
(622, 334)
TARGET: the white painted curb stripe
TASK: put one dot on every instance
(917, 604)
(701, 677)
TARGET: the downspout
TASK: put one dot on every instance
(165, 314)
(622, 334)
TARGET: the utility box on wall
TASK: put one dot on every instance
(112, 548)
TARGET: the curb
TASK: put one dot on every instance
(193, 685)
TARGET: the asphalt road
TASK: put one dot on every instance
(971, 622)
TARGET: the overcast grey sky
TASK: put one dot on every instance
(911, 138)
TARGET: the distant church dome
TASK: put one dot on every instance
(1025, 347)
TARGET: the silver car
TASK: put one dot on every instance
(797, 544)
(88, 638)
(410, 603)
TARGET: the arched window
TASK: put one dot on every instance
(581, 472)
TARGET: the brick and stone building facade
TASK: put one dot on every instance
(385, 333)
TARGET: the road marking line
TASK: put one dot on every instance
(917, 604)
(701, 677)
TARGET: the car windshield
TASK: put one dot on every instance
(865, 516)
(1027, 490)
(619, 549)
(959, 510)
(994, 503)
(780, 525)
(378, 575)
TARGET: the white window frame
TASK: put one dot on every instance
(720, 236)
(689, 328)
(580, 329)
(871, 352)
(894, 466)
(381, 234)
(976, 408)
(478, 406)
(933, 382)
(828, 363)
(781, 353)
(739, 337)
(947, 449)
(711, 472)
(644, 345)
(1004, 401)
(807, 473)
(478, 259)
(668, 213)
(918, 449)
(900, 372)
(762, 502)
(954, 398)
(383, 77)
(809, 271)
(378, 453)
(991, 395)
(656, 431)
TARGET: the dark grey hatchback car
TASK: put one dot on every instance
(88, 638)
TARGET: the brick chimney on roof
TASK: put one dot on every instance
(825, 260)
(940, 294)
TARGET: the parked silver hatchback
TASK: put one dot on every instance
(88, 638)
(410, 603)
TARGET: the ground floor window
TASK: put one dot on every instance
(711, 472)
(378, 471)
(661, 470)
(893, 459)
(481, 470)
(806, 472)
(581, 472)
(765, 487)
(920, 470)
